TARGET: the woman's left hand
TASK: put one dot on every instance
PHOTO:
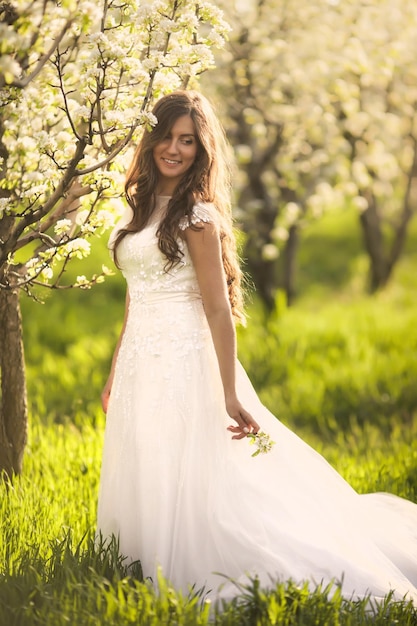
(245, 422)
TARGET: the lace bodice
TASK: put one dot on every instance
(143, 264)
(165, 306)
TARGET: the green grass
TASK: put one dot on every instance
(339, 367)
(53, 573)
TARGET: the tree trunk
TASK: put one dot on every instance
(263, 276)
(382, 255)
(290, 254)
(13, 403)
(371, 224)
(258, 226)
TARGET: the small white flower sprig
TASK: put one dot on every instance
(262, 441)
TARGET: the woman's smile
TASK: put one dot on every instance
(175, 154)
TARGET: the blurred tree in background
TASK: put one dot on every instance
(77, 79)
(320, 101)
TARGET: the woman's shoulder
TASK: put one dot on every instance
(124, 219)
(201, 212)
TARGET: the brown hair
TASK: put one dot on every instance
(207, 180)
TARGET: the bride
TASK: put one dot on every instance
(180, 487)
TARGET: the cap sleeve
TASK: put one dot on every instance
(201, 212)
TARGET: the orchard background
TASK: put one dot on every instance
(319, 104)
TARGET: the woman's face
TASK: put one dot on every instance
(175, 154)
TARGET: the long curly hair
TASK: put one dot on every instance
(207, 180)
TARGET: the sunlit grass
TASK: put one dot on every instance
(53, 572)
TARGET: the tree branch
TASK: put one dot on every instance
(21, 84)
(62, 187)
(68, 205)
(406, 213)
(122, 143)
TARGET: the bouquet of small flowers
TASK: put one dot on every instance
(262, 441)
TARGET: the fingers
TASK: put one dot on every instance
(245, 425)
(239, 432)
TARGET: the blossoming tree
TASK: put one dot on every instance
(321, 98)
(77, 79)
(273, 76)
(374, 89)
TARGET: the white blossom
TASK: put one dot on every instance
(147, 117)
(36, 190)
(262, 441)
(47, 273)
(280, 233)
(82, 281)
(106, 270)
(360, 203)
(87, 228)
(360, 174)
(243, 153)
(62, 226)
(81, 216)
(83, 112)
(33, 262)
(105, 219)
(9, 68)
(292, 211)
(270, 252)
(78, 247)
(4, 203)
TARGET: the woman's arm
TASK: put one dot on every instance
(205, 251)
(105, 394)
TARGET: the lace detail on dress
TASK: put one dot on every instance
(201, 212)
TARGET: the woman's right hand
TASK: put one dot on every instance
(105, 395)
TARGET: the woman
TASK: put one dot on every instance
(175, 489)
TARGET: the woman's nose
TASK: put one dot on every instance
(172, 148)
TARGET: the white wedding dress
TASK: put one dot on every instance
(180, 494)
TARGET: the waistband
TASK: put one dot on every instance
(160, 297)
